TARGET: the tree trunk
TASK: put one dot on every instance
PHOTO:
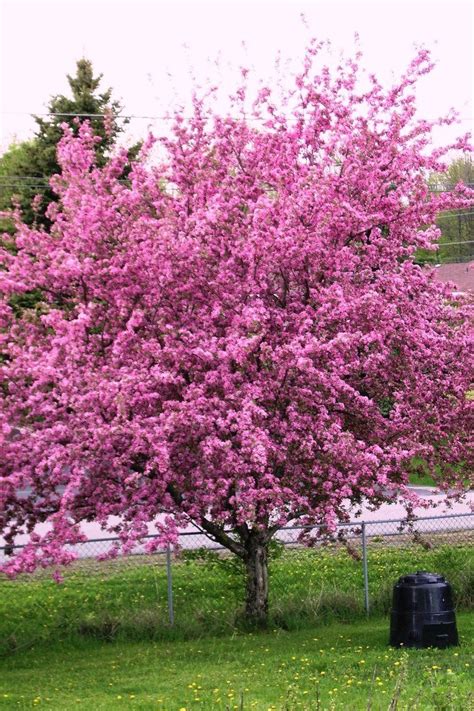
(256, 563)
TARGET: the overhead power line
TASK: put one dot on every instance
(82, 115)
(39, 180)
(448, 244)
(164, 117)
(36, 184)
(446, 213)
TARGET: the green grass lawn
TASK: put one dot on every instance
(127, 601)
(102, 640)
(333, 666)
(420, 476)
(421, 480)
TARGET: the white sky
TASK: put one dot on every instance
(147, 49)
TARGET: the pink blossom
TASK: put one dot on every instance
(239, 337)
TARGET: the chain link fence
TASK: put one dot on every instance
(310, 574)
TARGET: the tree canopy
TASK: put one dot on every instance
(239, 337)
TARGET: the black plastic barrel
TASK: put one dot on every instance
(423, 612)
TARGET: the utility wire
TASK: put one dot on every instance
(81, 115)
(442, 214)
(128, 117)
(39, 180)
(448, 244)
(446, 213)
(137, 116)
(38, 184)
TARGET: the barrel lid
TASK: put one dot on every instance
(421, 577)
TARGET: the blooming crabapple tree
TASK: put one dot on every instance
(237, 337)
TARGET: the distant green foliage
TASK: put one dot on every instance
(456, 226)
(27, 300)
(15, 162)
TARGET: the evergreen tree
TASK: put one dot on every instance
(32, 163)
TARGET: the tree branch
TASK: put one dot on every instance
(213, 529)
(222, 537)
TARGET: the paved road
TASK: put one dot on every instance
(377, 520)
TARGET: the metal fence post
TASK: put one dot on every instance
(170, 584)
(365, 566)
